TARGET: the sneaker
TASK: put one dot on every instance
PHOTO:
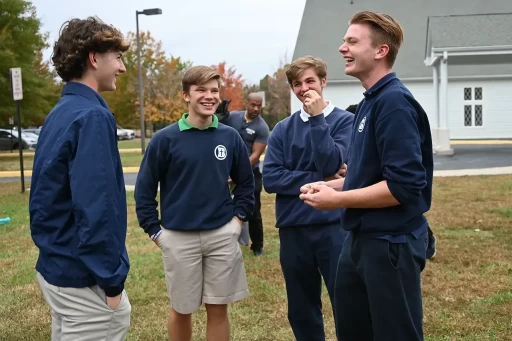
(431, 249)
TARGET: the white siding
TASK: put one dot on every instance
(496, 103)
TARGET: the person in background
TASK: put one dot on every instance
(255, 132)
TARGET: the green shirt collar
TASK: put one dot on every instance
(185, 125)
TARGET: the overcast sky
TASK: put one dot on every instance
(251, 35)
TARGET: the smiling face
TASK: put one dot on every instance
(108, 66)
(360, 55)
(308, 80)
(204, 99)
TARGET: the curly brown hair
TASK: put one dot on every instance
(79, 37)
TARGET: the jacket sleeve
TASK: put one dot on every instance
(243, 177)
(146, 188)
(330, 152)
(399, 146)
(95, 197)
(277, 178)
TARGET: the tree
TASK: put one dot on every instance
(21, 45)
(232, 86)
(161, 79)
(277, 94)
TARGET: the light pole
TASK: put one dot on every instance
(152, 11)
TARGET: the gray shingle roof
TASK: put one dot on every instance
(325, 22)
(471, 30)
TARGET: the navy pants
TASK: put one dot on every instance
(378, 289)
(307, 254)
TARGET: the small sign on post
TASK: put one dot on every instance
(17, 88)
(17, 95)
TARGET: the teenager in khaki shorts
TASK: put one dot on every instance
(200, 222)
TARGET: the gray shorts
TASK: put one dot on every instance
(203, 267)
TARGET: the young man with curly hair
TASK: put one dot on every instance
(191, 160)
(77, 205)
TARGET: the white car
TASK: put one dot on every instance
(125, 134)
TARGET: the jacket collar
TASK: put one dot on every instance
(381, 83)
(327, 110)
(80, 89)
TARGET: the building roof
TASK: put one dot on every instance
(325, 22)
(480, 30)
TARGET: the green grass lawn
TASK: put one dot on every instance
(13, 163)
(467, 288)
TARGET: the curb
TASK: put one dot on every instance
(28, 153)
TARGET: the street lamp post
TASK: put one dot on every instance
(152, 11)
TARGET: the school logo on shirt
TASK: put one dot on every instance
(250, 131)
(361, 125)
(220, 152)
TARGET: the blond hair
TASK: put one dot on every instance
(384, 30)
(199, 75)
(301, 64)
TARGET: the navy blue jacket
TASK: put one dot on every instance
(391, 141)
(77, 206)
(192, 167)
(301, 150)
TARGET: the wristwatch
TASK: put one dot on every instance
(241, 216)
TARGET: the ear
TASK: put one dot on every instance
(382, 52)
(323, 82)
(93, 60)
(186, 96)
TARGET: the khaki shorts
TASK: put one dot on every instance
(203, 267)
(82, 314)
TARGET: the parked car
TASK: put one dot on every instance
(36, 131)
(125, 134)
(10, 141)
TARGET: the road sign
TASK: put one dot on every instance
(17, 89)
(11, 121)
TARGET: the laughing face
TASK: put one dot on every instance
(204, 99)
(358, 51)
(308, 80)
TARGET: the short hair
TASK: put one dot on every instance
(352, 108)
(298, 66)
(199, 75)
(384, 30)
(79, 37)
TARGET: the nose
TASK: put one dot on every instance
(122, 69)
(343, 48)
(304, 87)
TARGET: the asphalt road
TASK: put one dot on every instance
(465, 157)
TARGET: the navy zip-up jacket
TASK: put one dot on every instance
(77, 205)
(391, 140)
(301, 150)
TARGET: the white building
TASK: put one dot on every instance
(466, 45)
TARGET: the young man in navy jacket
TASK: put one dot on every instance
(386, 191)
(200, 223)
(310, 145)
(77, 202)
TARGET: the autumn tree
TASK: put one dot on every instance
(277, 95)
(232, 86)
(21, 44)
(161, 79)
